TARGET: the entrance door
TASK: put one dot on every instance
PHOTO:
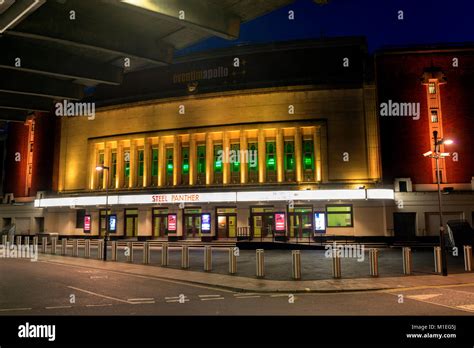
(131, 222)
(226, 226)
(263, 225)
(300, 225)
(192, 225)
(404, 225)
(160, 222)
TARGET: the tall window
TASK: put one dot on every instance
(234, 158)
(339, 215)
(113, 168)
(308, 155)
(252, 160)
(289, 160)
(141, 158)
(185, 165)
(169, 166)
(126, 166)
(432, 88)
(218, 159)
(100, 176)
(154, 166)
(434, 116)
(270, 161)
(201, 164)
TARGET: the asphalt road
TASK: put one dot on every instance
(32, 288)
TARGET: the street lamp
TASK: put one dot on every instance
(436, 154)
(106, 237)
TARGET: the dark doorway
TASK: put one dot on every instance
(404, 226)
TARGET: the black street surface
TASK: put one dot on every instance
(34, 288)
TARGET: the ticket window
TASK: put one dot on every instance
(160, 222)
(226, 222)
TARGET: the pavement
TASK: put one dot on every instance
(253, 284)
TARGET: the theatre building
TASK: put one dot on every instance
(262, 141)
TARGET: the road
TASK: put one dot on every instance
(33, 288)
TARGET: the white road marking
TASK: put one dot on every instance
(423, 296)
(209, 295)
(246, 296)
(212, 298)
(58, 307)
(99, 295)
(469, 307)
(141, 299)
(185, 300)
(99, 305)
(98, 277)
(14, 309)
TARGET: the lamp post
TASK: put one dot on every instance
(436, 154)
(106, 237)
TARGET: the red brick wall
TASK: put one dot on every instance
(43, 156)
(403, 139)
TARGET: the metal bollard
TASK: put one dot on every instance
(75, 247)
(53, 245)
(44, 244)
(260, 264)
(4, 239)
(64, 246)
(18, 240)
(184, 257)
(146, 253)
(11, 239)
(407, 261)
(374, 262)
(296, 264)
(114, 250)
(130, 251)
(336, 264)
(164, 255)
(35, 241)
(437, 259)
(27, 240)
(232, 260)
(208, 258)
(87, 248)
(468, 258)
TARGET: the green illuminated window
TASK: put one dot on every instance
(252, 157)
(218, 159)
(289, 156)
(141, 157)
(154, 160)
(201, 157)
(127, 164)
(234, 158)
(169, 161)
(339, 216)
(308, 155)
(185, 157)
(270, 156)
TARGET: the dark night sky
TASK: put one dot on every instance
(425, 22)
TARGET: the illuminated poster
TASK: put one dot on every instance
(280, 222)
(320, 222)
(172, 222)
(87, 224)
(113, 223)
(205, 223)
